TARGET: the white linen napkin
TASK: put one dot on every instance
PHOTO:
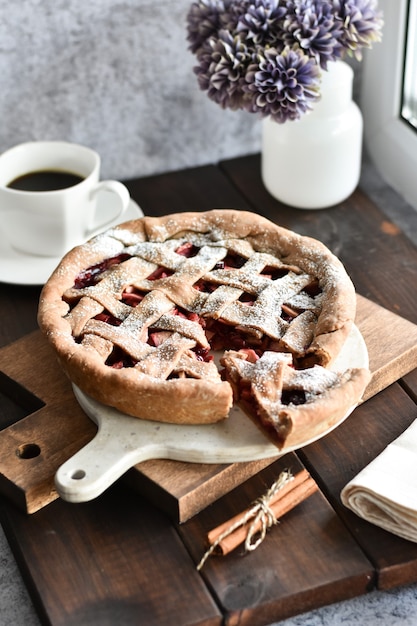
(385, 491)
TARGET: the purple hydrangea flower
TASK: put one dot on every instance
(204, 21)
(222, 69)
(362, 25)
(283, 85)
(261, 22)
(207, 18)
(312, 25)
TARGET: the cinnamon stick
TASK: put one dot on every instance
(295, 491)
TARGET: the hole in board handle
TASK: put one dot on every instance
(78, 475)
(28, 451)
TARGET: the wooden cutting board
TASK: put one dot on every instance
(54, 427)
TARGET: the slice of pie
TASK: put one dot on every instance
(136, 313)
(291, 406)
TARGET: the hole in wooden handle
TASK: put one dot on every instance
(28, 451)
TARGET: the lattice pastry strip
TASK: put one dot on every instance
(115, 336)
(250, 276)
(265, 312)
(188, 328)
(299, 334)
(111, 281)
(162, 360)
(217, 301)
(81, 314)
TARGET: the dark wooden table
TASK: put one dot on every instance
(119, 559)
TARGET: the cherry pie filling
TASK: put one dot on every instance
(220, 335)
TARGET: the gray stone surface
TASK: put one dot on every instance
(388, 608)
(16, 608)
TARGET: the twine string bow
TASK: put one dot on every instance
(261, 515)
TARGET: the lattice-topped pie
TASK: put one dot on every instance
(136, 313)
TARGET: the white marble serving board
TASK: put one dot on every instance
(122, 441)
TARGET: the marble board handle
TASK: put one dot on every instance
(114, 450)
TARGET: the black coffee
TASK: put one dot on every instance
(47, 180)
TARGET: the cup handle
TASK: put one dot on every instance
(117, 188)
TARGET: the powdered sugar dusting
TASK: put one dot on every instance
(253, 277)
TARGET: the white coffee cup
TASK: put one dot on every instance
(51, 222)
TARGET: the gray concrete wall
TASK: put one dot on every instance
(115, 75)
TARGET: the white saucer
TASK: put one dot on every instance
(18, 268)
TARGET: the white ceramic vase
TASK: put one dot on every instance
(315, 162)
